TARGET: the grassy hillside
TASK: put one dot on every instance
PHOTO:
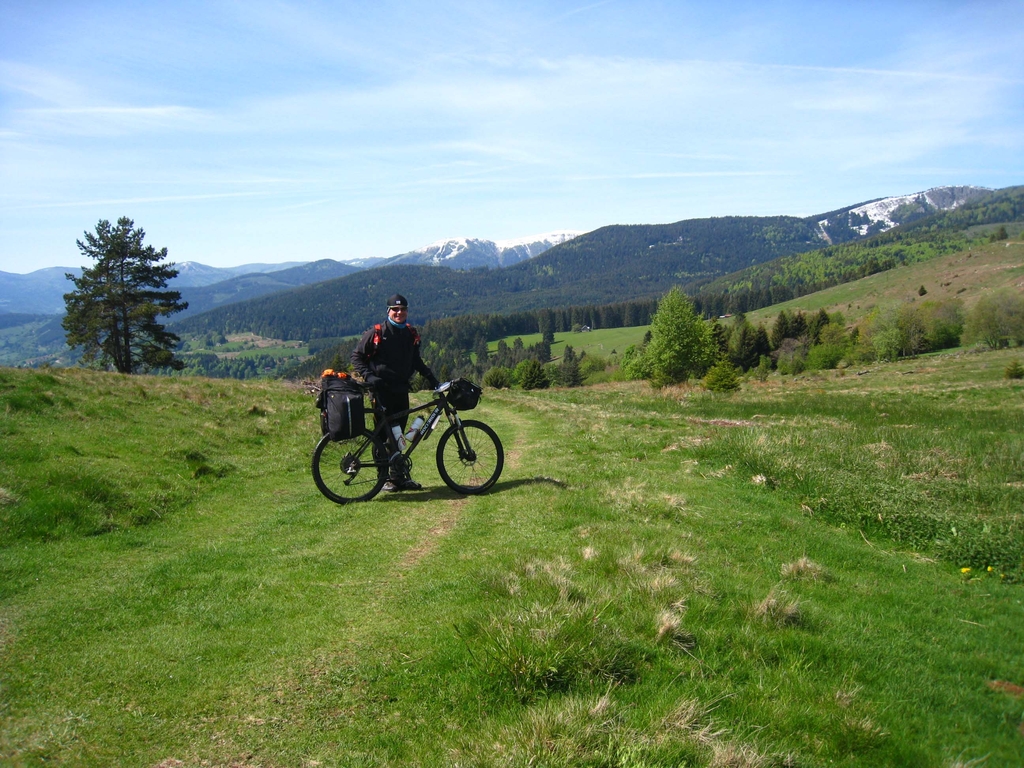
(967, 275)
(995, 215)
(601, 342)
(659, 578)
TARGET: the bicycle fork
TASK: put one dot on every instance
(466, 452)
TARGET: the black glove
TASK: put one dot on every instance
(433, 382)
(374, 381)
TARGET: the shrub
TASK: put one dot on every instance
(498, 378)
(635, 363)
(764, 368)
(723, 377)
(791, 355)
(944, 323)
(825, 357)
(996, 320)
(1014, 370)
(593, 364)
(530, 375)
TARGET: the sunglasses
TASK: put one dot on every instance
(399, 309)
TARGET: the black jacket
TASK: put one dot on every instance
(391, 362)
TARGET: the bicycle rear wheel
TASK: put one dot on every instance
(470, 457)
(347, 470)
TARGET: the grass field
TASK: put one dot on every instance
(658, 579)
(251, 345)
(966, 276)
(603, 341)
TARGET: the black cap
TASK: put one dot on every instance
(398, 300)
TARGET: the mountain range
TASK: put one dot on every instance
(42, 292)
(611, 264)
(326, 298)
(205, 287)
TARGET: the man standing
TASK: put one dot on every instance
(386, 357)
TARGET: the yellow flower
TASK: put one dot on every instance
(965, 570)
(990, 569)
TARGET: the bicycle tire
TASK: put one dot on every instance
(346, 470)
(478, 469)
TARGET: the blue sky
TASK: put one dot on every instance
(237, 132)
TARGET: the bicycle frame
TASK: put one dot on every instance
(386, 421)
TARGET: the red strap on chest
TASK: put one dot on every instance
(378, 334)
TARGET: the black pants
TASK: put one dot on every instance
(394, 402)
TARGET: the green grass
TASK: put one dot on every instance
(602, 341)
(250, 345)
(288, 351)
(967, 276)
(654, 581)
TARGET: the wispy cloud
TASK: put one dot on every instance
(269, 122)
(581, 9)
(132, 201)
(39, 84)
(109, 121)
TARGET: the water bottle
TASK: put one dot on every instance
(414, 428)
(399, 437)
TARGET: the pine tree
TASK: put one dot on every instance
(529, 375)
(723, 377)
(797, 325)
(743, 352)
(112, 312)
(569, 371)
(480, 351)
(780, 330)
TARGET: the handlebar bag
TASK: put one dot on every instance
(464, 395)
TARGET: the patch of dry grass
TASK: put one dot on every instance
(737, 756)
(778, 611)
(803, 568)
(691, 717)
(669, 624)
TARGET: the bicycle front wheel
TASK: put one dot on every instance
(347, 470)
(470, 457)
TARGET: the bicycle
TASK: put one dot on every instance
(469, 454)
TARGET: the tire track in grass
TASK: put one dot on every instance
(432, 538)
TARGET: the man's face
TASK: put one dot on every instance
(398, 314)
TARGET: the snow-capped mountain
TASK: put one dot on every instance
(466, 252)
(879, 215)
(366, 262)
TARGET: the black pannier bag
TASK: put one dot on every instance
(464, 395)
(342, 415)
